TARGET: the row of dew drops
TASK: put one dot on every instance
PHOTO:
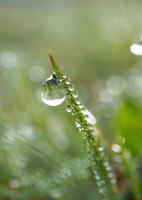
(53, 94)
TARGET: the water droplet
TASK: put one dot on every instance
(136, 49)
(64, 76)
(71, 88)
(53, 93)
(67, 81)
(77, 124)
(82, 109)
(68, 108)
(78, 100)
(81, 106)
(86, 117)
(81, 129)
(101, 148)
(116, 148)
(75, 94)
(89, 117)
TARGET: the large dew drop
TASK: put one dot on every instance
(53, 93)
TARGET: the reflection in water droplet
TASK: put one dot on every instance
(53, 93)
(136, 49)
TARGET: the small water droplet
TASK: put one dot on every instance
(81, 106)
(71, 88)
(89, 117)
(68, 108)
(101, 148)
(86, 116)
(136, 47)
(64, 76)
(80, 129)
(78, 100)
(82, 109)
(53, 93)
(67, 81)
(77, 124)
(75, 94)
(116, 148)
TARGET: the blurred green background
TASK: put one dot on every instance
(98, 44)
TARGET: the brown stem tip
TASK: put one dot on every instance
(52, 60)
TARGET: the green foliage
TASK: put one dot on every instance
(129, 119)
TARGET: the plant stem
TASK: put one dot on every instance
(99, 159)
